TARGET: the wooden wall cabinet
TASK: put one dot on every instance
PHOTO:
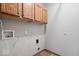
(10, 8)
(38, 13)
(30, 11)
(0, 7)
(44, 16)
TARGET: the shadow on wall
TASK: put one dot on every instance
(53, 17)
(0, 29)
(56, 13)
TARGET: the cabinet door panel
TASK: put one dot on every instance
(38, 13)
(45, 16)
(28, 10)
(10, 8)
(0, 7)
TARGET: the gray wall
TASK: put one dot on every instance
(0, 29)
(21, 27)
(63, 28)
(22, 44)
(26, 34)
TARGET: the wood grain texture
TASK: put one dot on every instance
(28, 10)
(44, 16)
(10, 8)
(38, 13)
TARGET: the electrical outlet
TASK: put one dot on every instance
(37, 41)
(39, 48)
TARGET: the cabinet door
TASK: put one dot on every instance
(10, 8)
(28, 10)
(38, 13)
(45, 18)
(0, 7)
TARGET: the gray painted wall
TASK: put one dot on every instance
(26, 34)
(22, 44)
(63, 28)
(0, 29)
(21, 27)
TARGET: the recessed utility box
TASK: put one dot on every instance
(37, 41)
(8, 34)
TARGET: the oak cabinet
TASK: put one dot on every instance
(38, 13)
(10, 8)
(44, 16)
(0, 7)
(28, 10)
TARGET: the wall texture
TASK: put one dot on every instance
(0, 29)
(63, 29)
(24, 42)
